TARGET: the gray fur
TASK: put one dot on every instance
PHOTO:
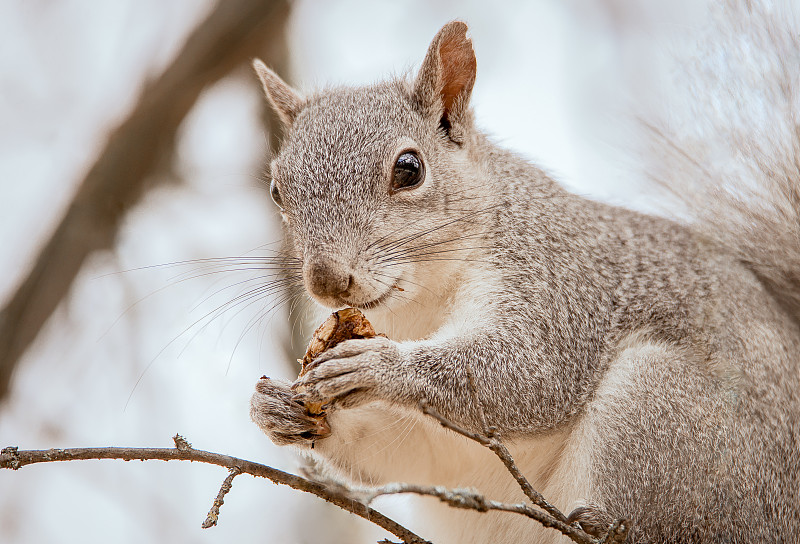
(665, 362)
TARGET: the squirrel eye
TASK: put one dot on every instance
(275, 194)
(409, 172)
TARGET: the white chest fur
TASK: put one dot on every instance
(375, 444)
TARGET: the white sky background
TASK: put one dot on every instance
(557, 81)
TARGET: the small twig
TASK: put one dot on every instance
(493, 443)
(213, 514)
(13, 458)
(618, 530)
(554, 517)
(502, 452)
(472, 500)
(431, 411)
(181, 443)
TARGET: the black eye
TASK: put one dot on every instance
(275, 194)
(409, 172)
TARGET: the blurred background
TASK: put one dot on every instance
(133, 136)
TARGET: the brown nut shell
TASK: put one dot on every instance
(342, 325)
(346, 324)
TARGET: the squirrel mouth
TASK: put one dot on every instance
(374, 303)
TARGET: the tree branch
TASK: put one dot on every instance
(13, 458)
(354, 500)
(471, 500)
(232, 32)
(227, 484)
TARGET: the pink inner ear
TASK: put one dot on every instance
(458, 66)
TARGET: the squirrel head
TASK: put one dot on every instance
(373, 183)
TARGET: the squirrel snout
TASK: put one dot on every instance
(327, 278)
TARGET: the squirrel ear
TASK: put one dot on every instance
(286, 102)
(445, 80)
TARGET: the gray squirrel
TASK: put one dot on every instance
(636, 367)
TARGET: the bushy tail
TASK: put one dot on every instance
(730, 149)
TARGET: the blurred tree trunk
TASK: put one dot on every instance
(234, 31)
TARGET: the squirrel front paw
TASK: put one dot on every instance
(352, 373)
(284, 420)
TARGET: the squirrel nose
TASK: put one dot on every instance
(327, 278)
